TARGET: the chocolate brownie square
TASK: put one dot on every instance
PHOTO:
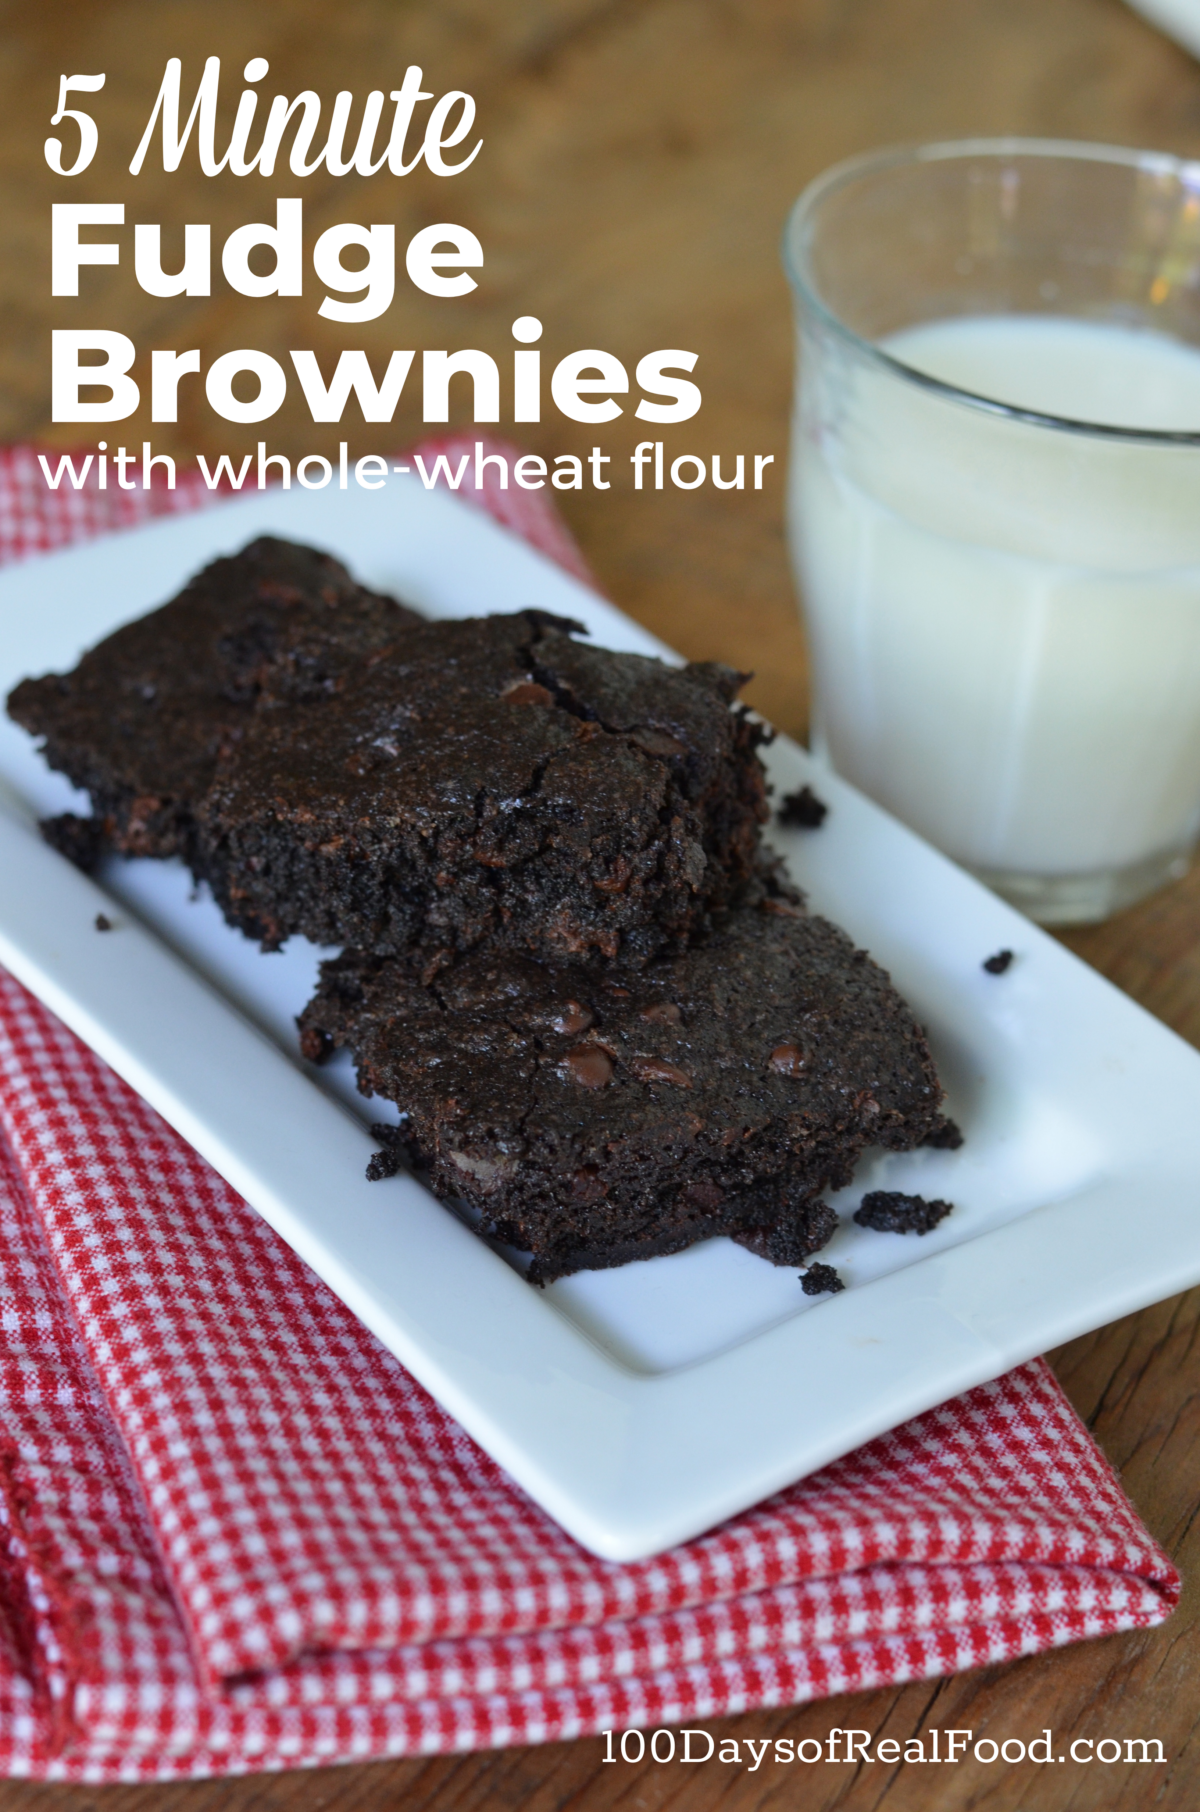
(490, 775)
(598, 1112)
(141, 720)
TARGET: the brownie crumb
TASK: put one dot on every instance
(821, 1280)
(381, 1165)
(103, 923)
(996, 965)
(887, 1211)
(946, 1135)
(392, 1157)
(802, 810)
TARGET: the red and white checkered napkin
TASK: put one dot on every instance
(237, 1535)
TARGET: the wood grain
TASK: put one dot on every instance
(639, 160)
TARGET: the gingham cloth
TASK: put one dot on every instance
(237, 1535)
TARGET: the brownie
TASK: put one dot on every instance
(491, 775)
(598, 1112)
(140, 722)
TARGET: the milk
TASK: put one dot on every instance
(1005, 617)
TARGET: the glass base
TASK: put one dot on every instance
(1088, 898)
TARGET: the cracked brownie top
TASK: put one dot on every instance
(596, 1113)
(142, 719)
(492, 774)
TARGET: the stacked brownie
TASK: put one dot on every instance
(608, 1027)
(490, 776)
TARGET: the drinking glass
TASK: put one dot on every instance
(994, 505)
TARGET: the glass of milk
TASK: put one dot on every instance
(994, 505)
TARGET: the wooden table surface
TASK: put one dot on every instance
(639, 158)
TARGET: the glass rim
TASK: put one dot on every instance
(1187, 170)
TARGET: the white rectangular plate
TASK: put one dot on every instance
(638, 1406)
